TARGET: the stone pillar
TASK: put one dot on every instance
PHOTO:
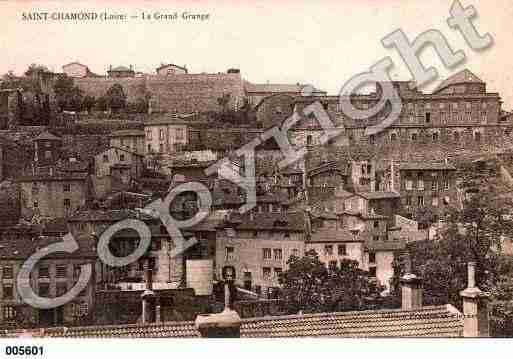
(411, 289)
(148, 300)
(475, 307)
(225, 324)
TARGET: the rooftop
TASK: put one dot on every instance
(463, 76)
(434, 321)
(379, 195)
(431, 166)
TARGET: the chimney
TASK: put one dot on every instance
(411, 288)
(475, 307)
(227, 323)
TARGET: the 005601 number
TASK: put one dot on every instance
(24, 350)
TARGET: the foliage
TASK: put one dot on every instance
(116, 98)
(309, 286)
(68, 96)
(88, 103)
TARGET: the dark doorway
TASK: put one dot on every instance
(247, 280)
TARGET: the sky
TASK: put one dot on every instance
(323, 42)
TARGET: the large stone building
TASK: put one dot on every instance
(165, 135)
(130, 139)
(53, 276)
(427, 189)
(54, 193)
(77, 70)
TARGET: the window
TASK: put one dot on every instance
(148, 135)
(9, 312)
(149, 148)
(375, 238)
(376, 224)
(66, 187)
(161, 134)
(44, 272)
(477, 136)
(7, 272)
(435, 136)
(35, 204)
(483, 116)
(277, 254)
(67, 203)
(122, 158)
(409, 184)
(393, 137)
(468, 116)
(105, 158)
(342, 250)
(7, 291)
(372, 139)
(328, 250)
(61, 271)
(266, 273)
(420, 184)
(332, 265)
(278, 272)
(443, 117)
(161, 147)
(309, 140)
(179, 134)
(414, 137)
(48, 155)
(266, 253)
(61, 289)
(35, 188)
(408, 200)
(456, 136)
(446, 185)
(372, 271)
(229, 253)
(428, 117)
(44, 290)
(434, 186)
(420, 200)
(434, 202)
(372, 257)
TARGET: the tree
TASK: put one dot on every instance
(68, 96)
(116, 98)
(88, 103)
(309, 286)
(485, 216)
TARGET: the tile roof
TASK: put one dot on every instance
(397, 245)
(433, 166)
(47, 136)
(58, 176)
(379, 195)
(292, 221)
(132, 132)
(463, 76)
(26, 245)
(434, 321)
(321, 235)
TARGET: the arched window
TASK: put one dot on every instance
(372, 139)
(456, 136)
(309, 140)
(477, 136)
(435, 136)
(414, 137)
(393, 137)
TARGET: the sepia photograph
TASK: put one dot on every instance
(254, 170)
